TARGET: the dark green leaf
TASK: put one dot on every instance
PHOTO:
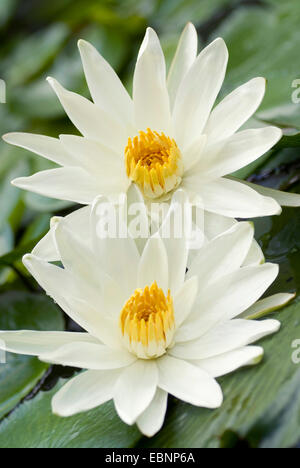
(18, 311)
(95, 429)
(17, 254)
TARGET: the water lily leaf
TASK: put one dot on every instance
(261, 404)
(173, 15)
(19, 374)
(10, 195)
(44, 204)
(32, 53)
(289, 141)
(6, 244)
(6, 10)
(15, 255)
(95, 429)
(253, 35)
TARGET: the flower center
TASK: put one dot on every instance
(153, 161)
(147, 322)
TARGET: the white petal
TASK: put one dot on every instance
(79, 259)
(283, 198)
(104, 84)
(228, 362)
(46, 247)
(235, 110)
(99, 161)
(227, 298)
(116, 252)
(188, 382)
(59, 285)
(96, 320)
(223, 255)
(152, 419)
(237, 151)
(65, 183)
(230, 198)
(225, 337)
(184, 300)
(78, 223)
(193, 153)
(255, 255)
(91, 121)
(215, 224)
(150, 94)
(88, 356)
(77, 255)
(198, 91)
(184, 57)
(175, 232)
(267, 305)
(49, 148)
(135, 390)
(137, 217)
(153, 265)
(84, 392)
(34, 343)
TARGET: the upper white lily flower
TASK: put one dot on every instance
(151, 329)
(169, 134)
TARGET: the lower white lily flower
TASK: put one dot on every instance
(210, 228)
(151, 329)
(169, 134)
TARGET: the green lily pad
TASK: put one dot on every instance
(19, 374)
(95, 429)
(265, 42)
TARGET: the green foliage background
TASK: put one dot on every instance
(38, 39)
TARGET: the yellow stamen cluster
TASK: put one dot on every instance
(147, 322)
(153, 161)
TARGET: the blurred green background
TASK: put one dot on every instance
(38, 39)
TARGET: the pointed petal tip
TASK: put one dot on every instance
(54, 83)
(219, 398)
(190, 27)
(27, 259)
(7, 137)
(274, 325)
(258, 356)
(261, 79)
(18, 182)
(272, 266)
(55, 220)
(84, 46)
(150, 30)
(150, 37)
(81, 43)
(220, 42)
(220, 46)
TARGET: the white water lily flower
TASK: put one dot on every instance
(151, 329)
(168, 135)
(213, 227)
